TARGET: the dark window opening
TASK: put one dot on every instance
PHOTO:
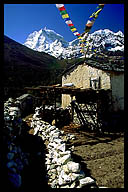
(95, 83)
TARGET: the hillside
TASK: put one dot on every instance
(26, 67)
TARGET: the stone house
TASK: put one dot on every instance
(95, 75)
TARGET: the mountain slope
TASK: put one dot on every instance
(25, 67)
(22, 55)
(46, 40)
(50, 42)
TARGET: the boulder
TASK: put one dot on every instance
(73, 167)
(61, 147)
(86, 181)
(63, 160)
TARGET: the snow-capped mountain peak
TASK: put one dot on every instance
(47, 40)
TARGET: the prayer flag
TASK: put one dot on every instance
(68, 22)
(82, 37)
(70, 25)
(59, 5)
(65, 16)
(62, 8)
(63, 12)
(74, 29)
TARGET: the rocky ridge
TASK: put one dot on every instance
(46, 40)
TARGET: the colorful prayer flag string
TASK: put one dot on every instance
(67, 20)
(90, 23)
(82, 37)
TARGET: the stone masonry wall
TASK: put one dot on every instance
(117, 83)
(59, 167)
(80, 77)
(62, 171)
(15, 159)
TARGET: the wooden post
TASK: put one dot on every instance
(43, 107)
(72, 108)
(55, 105)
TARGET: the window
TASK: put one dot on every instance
(95, 83)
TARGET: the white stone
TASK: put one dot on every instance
(59, 141)
(72, 148)
(52, 166)
(37, 108)
(54, 160)
(61, 147)
(73, 185)
(86, 181)
(54, 183)
(63, 160)
(59, 169)
(53, 171)
(35, 131)
(76, 176)
(61, 181)
(48, 162)
(13, 113)
(11, 164)
(42, 128)
(73, 176)
(102, 187)
(7, 118)
(13, 109)
(56, 134)
(62, 132)
(72, 137)
(48, 167)
(34, 116)
(56, 154)
(52, 145)
(65, 176)
(53, 176)
(65, 186)
(52, 127)
(10, 156)
(65, 168)
(53, 132)
(73, 167)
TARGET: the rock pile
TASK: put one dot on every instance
(62, 171)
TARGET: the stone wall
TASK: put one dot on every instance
(15, 159)
(117, 84)
(62, 171)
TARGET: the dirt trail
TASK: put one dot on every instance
(103, 156)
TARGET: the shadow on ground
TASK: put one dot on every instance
(84, 168)
(34, 173)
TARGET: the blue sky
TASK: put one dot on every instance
(22, 19)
